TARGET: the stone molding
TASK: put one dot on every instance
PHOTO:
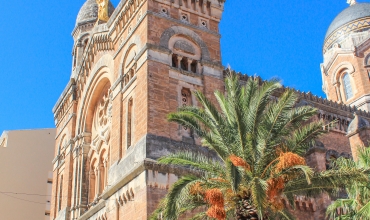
(363, 100)
(339, 69)
(146, 164)
(330, 58)
(186, 76)
(64, 93)
(175, 30)
(126, 23)
(61, 129)
(102, 69)
(150, 147)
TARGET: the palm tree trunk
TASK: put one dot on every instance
(244, 209)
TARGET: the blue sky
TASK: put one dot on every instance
(269, 38)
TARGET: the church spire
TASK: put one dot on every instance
(351, 2)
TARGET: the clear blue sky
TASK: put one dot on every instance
(268, 38)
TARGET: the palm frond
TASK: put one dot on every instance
(258, 192)
(304, 137)
(195, 160)
(172, 203)
(328, 181)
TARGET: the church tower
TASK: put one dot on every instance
(131, 66)
(346, 66)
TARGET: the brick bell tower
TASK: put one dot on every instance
(346, 66)
(131, 66)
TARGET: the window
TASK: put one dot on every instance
(129, 123)
(347, 86)
(184, 64)
(185, 18)
(194, 66)
(174, 60)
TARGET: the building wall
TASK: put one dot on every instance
(137, 57)
(140, 38)
(25, 164)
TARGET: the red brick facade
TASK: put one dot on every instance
(128, 74)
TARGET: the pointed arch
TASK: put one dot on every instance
(102, 72)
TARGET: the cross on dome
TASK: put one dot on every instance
(351, 2)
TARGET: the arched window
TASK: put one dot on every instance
(347, 86)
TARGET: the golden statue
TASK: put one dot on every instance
(103, 10)
(351, 2)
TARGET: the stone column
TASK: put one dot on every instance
(91, 185)
(83, 190)
(79, 53)
(189, 64)
(205, 7)
(75, 182)
(179, 59)
(187, 3)
(97, 181)
(105, 167)
(337, 89)
(197, 5)
(199, 68)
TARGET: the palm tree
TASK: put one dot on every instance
(259, 142)
(357, 205)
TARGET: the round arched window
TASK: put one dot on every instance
(347, 86)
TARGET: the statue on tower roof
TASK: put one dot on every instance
(103, 10)
(351, 2)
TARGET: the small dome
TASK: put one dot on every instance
(357, 123)
(89, 12)
(352, 13)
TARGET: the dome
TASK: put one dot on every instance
(89, 12)
(352, 13)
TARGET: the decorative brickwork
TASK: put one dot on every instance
(147, 60)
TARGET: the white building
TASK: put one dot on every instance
(26, 174)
